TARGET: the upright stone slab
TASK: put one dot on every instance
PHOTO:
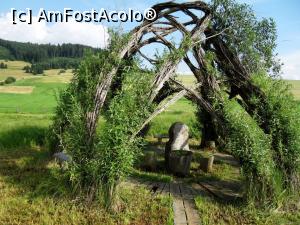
(178, 139)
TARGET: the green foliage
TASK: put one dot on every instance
(27, 69)
(10, 80)
(54, 63)
(5, 53)
(61, 71)
(80, 91)
(3, 65)
(284, 126)
(44, 56)
(34, 53)
(127, 111)
(252, 39)
(99, 163)
(36, 69)
(247, 141)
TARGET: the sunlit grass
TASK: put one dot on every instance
(295, 88)
(14, 69)
(34, 190)
(16, 89)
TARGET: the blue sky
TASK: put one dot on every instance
(285, 13)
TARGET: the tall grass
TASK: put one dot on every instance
(33, 189)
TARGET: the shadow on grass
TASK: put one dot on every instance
(24, 164)
(225, 180)
(24, 136)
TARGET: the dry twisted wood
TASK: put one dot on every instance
(164, 11)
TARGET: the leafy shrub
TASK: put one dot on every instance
(99, 163)
(61, 71)
(37, 69)
(247, 141)
(69, 130)
(284, 126)
(27, 69)
(10, 80)
(3, 65)
(127, 112)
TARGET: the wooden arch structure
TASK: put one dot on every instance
(199, 36)
(203, 38)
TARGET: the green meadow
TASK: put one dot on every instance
(34, 191)
(45, 88)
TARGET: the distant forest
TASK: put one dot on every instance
(44, 56)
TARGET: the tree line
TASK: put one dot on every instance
(45, 56)
(34, 53)
(54, 63)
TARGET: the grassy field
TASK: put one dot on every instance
(213, 211)
(37, 95)
(14, 69)
(42, 99)
(34, 191)
(16, 89)
(295, 87)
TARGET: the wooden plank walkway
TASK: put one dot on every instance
(185, 212)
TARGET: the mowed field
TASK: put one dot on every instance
(30, 94)
(37, 95)
(295, 87)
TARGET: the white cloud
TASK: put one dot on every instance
(291, 67)
(90, 34)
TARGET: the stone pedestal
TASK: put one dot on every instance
(206, 163)
(180, 162)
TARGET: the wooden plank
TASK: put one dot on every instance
(186, 191)
(161, 186)
(199, 190)
(174, 190)
(212, 190)
(178, 205)
(179, 212)
(189, 204)
(166, 189)
(191, 212)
